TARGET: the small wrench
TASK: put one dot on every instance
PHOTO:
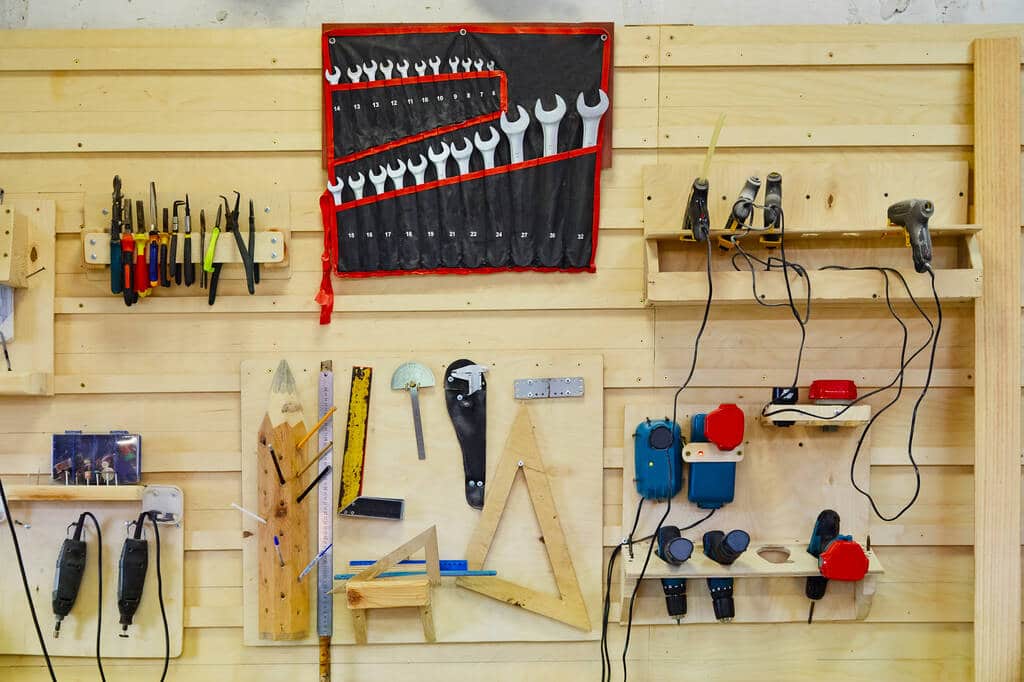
(487, 147)
(549, 121)
(440, 159)
(354, 74)
(387, 70)
(462, 156)
(370, 70)
(478, 65)
(397, 175)
(453, 63)
(591, 117)
(514, 131)
(418, 170)
(379, 179)
(403, 68)
(490, 65)
(335, 190)
(333, 77)
(356, 185)
(421, 67)
(466, 64)
(435, 64)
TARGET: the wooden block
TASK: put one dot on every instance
(709, 452)
(817, 415)
(427, 619)
(75, 493)
(13, 249)
(387, 593)
(270, 248)
(997, 490)
(359, 625)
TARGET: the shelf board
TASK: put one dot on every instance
(75, 493)
(833, 285)
(26, 383)
(832, 232)
(855, 415)
(751, 564)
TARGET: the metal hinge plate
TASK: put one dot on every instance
(555, 387)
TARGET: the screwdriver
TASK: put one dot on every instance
(116, 273)
(128, 255)
(203, 275)
(141, 270)
(252, 246)
(165, 239)
(173, 261)
(153, 255)
(190, 271)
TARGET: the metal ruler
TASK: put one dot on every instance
(325, 522)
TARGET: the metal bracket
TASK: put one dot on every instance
(557, 387)
(166, 501)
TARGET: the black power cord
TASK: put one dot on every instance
(99, 588)
(151, 515)
(24, 581)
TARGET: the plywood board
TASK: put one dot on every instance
(45, 527)
(788, 476)
(569, 435)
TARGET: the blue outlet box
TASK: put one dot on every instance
(658, 459)
(712, 484)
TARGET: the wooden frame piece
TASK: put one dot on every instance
(522, 453)
(270, 247)
(13, 250)
(855, 415)
(364, 592)
(997, 363)
(709, 452)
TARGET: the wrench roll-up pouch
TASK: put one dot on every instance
(528, 203)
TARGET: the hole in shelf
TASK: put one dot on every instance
(774, 554)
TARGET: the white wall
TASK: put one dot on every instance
(294, 13)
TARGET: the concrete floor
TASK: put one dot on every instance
(294, 13)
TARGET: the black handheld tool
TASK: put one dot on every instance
(173, 263)
(252, 245)
(232, 227)
(912, 215)
(116, 273)
(214, 268)
(131, 575)
(826, 529)
(696, 219)
(188, 268)
(67, 578)
(128, 255)
(674, 549)
(772, 210)
(724, 548)
(203, 275)
(742, 210)
(165, 239)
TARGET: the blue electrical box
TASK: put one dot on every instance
(712, 484)
(658, 459)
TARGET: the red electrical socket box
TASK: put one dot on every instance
(723, 426)
(832, 391)
(843, 560)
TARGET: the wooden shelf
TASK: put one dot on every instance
(855, 415)
(75, 493)
(26, 383)
(832, 232)
(751, 564)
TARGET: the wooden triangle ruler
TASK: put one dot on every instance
(522, 452)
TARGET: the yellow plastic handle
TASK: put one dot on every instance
(208, 256)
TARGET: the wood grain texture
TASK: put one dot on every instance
(997, 522)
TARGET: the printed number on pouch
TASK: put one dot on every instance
(524, 235)
(408, 234)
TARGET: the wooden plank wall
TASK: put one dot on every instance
(217, 110)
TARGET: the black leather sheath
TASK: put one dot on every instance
(469, 417)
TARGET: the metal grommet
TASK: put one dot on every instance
(462, 31)
(330, 40)
(604, 37)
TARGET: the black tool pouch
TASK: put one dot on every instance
(469, 417)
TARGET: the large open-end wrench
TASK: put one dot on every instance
(403, 68)
(440, 159)
(467, 65)
(421, 67)
(463, 155)
(478, 65)
(378, 179)
(335, 191)
(418, 170)
(334, 76)
(435, 65)
(354, 73)
(386, 69)
(549, 121)
(591, 117)
(487, 147)
(356, 185)
(514, 131)
(453, 64)
(370, 70)
(397, 175)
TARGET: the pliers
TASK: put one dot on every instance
(243, 250)
(208, 264)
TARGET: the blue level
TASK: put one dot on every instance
(404, 574)
(446, 564)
